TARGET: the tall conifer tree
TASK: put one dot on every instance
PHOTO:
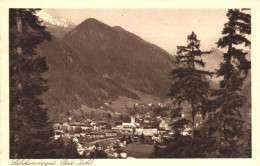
(234, 70)
(235, 65)
(30, 130)
(190, 86)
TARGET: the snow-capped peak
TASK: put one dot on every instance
(51, 20)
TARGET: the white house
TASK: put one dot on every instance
(75, 139)
(186, 131)
(164, 125)
(146, 131)
(123, 154)
(93, 123)
(156, 137)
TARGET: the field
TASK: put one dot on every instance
(138, 150)
(119, 105)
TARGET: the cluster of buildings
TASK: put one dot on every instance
(87, 135)
(108, 136)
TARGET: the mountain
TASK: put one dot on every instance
(214, 58)
(57, 26)
(95, 63)
(212, 61)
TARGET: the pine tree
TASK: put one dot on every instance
(234, 69)
(30, 130)
(235, 66)
(71, 149)
(190, 86)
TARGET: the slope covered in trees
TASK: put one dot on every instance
(95, 63)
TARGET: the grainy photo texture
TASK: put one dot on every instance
(130, 83)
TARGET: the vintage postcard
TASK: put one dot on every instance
(85, 82)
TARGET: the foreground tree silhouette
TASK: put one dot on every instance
(190, 84)
(30, 130)
(235, 66)
(190, 88)
(228, 99)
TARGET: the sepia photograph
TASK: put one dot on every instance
(96, 83)
(156, 82)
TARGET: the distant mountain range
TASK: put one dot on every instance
(213, 60)
(92, 64)
(57, 26)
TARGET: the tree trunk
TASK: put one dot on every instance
(19, 29)
(19, 52)
(192, 129)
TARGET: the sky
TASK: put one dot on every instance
(166, 28)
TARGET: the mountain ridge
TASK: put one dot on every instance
(57, 26)
(95, 63)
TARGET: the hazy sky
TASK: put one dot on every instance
(166, 28)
